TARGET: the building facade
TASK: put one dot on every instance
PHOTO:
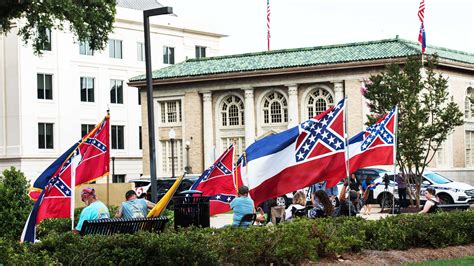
(49, 102)
(240, 98)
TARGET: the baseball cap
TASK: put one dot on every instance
(88, 191)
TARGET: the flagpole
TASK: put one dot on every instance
(346, 153)
(395, 155)
(73, 186)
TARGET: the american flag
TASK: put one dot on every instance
(422, 34)
(268, 24)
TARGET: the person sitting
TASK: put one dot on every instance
(134, 207)
(355, 203)
(432, 202)
(241, 206)
(322, 206)
(94, 209)
(299, 203)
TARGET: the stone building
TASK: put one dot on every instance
(213, 102)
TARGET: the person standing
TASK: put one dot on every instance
(94, 209)
(241, 206)
(134, 207)
(402, 190)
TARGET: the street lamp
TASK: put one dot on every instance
(188, 168)
(149, 93)
(172, 136)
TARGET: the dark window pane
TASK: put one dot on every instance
(48, 87)
(41, 138)
(139, 97)
(49, 136)
(171, 55)
(113, 98)
(119, 88)
(40, 85)
(140, 137)
(120, 138)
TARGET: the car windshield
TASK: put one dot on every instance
(437, 178)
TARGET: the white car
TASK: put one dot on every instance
(448, 191)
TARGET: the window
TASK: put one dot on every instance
(167, 159)
(239, 144)
(318, 101)
(170, 112)
(45, 136)
(47, 43)
(116, 91)
(117, 138)
(232, 111)
(200, 52)
(86, 128)
(469, 148)
(168, 55)
(140, 51)
(275, 108)
(44, 86)
(139, 97)
(84, 48)
(87, 89)
(442, 155)
(115, 49)
(469, 103)
(118, 179)
(140, 137)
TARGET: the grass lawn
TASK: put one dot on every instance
(458, 262)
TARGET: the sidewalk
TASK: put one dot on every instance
(220, 220)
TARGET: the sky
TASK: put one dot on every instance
(306, 23)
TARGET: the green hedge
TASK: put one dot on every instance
(292, 242)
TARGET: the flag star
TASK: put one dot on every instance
(62, 186)
(228, 199)
(325, 122)
(373, 133)
(305, 125)
(218, 197)
(385, 134)
(364, 146)
(331, 140)
(312, 127)
(324, 135)
(67, 192)
(338, 144)
(331, 114)
(318, 130)
(306, 147)
(312, 138)
(300, 156)
(389, 139)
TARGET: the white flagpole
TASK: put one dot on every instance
(395, 129)
(76, 158)
(346, 155)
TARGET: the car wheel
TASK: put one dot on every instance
(281, 201)
(385, 202)
(445, 199)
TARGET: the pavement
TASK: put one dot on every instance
(223, 219)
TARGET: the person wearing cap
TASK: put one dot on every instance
(241, 206)
(134, 207)
(94, 209)
(354, 204)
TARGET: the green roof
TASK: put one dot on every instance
(302, 57)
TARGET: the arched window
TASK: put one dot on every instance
(318, 101)
(275, 108)
(232, 111)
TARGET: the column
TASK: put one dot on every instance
(338, 91)
(292, 105)
(249, 113)
(208, 129)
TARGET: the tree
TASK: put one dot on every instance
(427, 114)
(15, 203)
(89, 20)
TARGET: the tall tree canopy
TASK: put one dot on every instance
(90, 20)
(427, 114)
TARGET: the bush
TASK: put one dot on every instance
(289, 243)
(15, 204)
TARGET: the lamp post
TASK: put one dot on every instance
(172, 136)
(188, 168)
(149, 93)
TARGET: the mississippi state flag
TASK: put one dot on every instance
(296, 158)
(218, 183)
(89, 159)
(375, 145)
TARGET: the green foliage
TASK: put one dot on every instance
(427, 114)
(15, 204)
(88, 20)
(294, 242)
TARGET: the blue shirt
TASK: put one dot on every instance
(96, 210)
(241, 206)
(136, 208)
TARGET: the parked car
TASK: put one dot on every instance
(163, 185)
(447, 190)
